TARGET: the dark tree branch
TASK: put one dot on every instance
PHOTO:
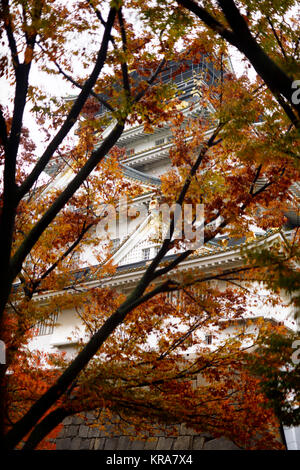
(151, 80)
(3, 131)
(126, 82)
(287, 109)
(255, 178)
(277, 38)
(100, 18)
(71, 80)
(276, 79)
(9, 33)
(34, 285)
(62, 199)
(265, 186)
(136, 298)
(166, 243)
(74, 112)
(240, 37)
(44, 427)
(10, 199)
(22, 75)
(209, 20)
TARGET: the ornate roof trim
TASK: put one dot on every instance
(128, 274)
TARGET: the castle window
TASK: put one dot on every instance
(46, 327)
(208, 339)
(146, 253)
(115, 243)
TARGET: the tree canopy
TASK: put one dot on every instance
(239, 159)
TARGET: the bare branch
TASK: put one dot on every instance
(255, 178)
(100, 18)
(150, 81)
(36, 283)
(3, 130)
(126, 82)
(277, 38)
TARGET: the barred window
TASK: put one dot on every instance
(115, 243)
(159, 141)
(175, 297)
(130, 152)
(208, 339)
(46, 327)
(146, 253)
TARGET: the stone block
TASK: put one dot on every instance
(109, 430)
(124, 443)
(67, 420)
(93, 432)
(90, 416)
(158, 432)
(174, 429)
(182, 443)
(137, 445)
(92, 444)
(77, 420)
(85, 444)
(76, 443)
(111, 443)
(198, 443)
(151, 443)
(71, 431)
(164, 443)
(83, 431)
(220, 444)
(99, 443)
(206, 435)
(63, 444)
(62, 433)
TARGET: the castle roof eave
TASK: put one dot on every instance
(127, 275)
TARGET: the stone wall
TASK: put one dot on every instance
(78, 435)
